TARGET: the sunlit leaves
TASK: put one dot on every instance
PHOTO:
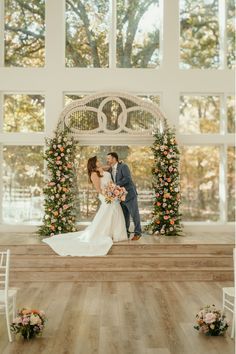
(22, 184)
(23, 113)
(200, 183)
(199, 114)
(87, 24)
(25, 33)
(199, 34)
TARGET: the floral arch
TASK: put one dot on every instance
(111, 119)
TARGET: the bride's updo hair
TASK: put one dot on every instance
(92, 167)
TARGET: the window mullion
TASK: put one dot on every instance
(223, 34)
(112, 35)
(223, 184)
(2, 26)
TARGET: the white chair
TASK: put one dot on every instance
(7, 295)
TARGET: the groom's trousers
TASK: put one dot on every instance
(130, 208)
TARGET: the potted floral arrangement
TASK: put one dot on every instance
(211, 322)
(29, 323)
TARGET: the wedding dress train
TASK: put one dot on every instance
(107, 226)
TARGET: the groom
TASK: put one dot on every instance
(121, 176)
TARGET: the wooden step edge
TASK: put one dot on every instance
(128, 243)
(126, 256)
(131, 269)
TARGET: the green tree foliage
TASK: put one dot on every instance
(133, 51)
(23, 113)
(22, 170)
(24, 33)
(199, 114)
(87, 24)
(199, 170)
(199, 34)
(138, 33)
(230, 28)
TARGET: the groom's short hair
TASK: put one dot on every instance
(114, 154)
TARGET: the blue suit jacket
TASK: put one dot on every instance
(124, 179)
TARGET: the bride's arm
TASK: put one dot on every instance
(96, 182)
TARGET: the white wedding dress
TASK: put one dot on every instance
(107, 226)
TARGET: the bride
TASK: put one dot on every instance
(107, 226)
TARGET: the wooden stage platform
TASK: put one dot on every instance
(204, 257)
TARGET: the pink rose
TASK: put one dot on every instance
(210, 317)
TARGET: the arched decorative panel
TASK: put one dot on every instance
(109, 115)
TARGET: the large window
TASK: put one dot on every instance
(200, 183)
(179, 54)
(22, 184)
(134, 26)
(207, 34)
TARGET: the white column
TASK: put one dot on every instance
(170, 64)
(55, 62)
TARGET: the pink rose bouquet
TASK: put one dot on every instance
(211, 321)
(112, 193)
(29, 323)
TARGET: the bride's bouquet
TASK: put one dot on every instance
(112, 193)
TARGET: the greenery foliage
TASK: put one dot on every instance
(166, 218)
(60, 193)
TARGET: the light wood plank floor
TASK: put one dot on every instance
(119, 318)
(8, 238)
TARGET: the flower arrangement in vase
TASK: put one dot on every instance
(29, 323)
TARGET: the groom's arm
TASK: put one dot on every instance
(126, 176)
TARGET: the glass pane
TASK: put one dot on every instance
(199, 114)
(70, 98)
(231, 113)
(23, 113)
(231, 183)
(22, 184)
(87, 24)
(151, 98)
(199, 172)
(138, 33)
(231, 33)
(132, 155)
(199, 34)
(25, 33)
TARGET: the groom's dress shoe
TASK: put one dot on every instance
(136, 238)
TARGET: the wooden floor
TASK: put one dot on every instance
(8, 238)
(119, 318)
(204, 257)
